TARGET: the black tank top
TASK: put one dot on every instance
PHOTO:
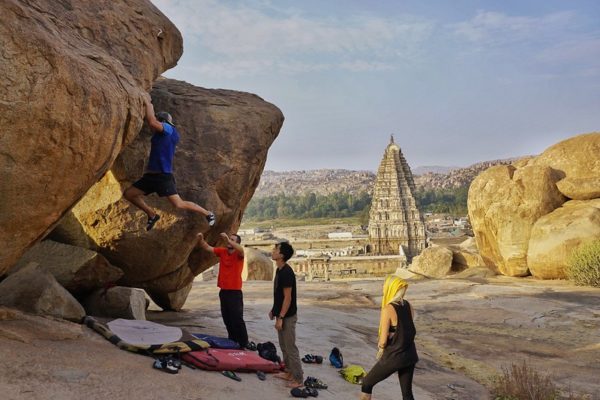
(401, 349)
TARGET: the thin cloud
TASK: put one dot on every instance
(494, 28)
(584, 50)
(243, 37)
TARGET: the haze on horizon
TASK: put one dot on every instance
(455, 82)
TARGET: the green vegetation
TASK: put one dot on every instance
(449, 201)
(313, 207)
(310, 205)
(291, 222)
(584, 265)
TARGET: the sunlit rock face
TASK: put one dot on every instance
(73, 75)
(554, 237)
(514, 210)
(225, 136)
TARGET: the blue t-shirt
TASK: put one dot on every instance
(163, 149)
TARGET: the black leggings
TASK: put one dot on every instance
(382, 370)
(232, 311)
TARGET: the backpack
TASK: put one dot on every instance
(335, 358)
(268, 351)
(353, 373)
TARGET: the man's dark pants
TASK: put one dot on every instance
(232, 310)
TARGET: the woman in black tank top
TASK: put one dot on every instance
(397, 351)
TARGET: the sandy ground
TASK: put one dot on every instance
(466, 331)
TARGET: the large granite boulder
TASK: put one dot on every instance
(257, 266)
(34, 290)
(578, 162)
(73, 77)
(117, 302)
(504, 202)
(433, 262)
(580, 188)
(462, 259)
(225, 136)
(554, 237)
(77, 269)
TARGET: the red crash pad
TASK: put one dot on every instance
(229, 360)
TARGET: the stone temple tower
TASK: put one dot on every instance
(396, 225)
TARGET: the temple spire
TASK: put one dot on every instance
(396, 225)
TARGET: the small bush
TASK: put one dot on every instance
(522, 382)
(584, 265)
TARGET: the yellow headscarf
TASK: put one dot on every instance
(391, 286)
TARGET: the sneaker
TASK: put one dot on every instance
(165, 365)
(152, 221)
(314, 383)
(211, 218)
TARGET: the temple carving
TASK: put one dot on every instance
(396, 225)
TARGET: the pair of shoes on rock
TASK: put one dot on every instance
(261, 375)
(304, 392)
(312, 382)
(312, 359)
(231, 375)
(211, 218)
(167, 364)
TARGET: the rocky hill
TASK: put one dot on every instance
(437, 169)
(318, 181)
(458, 177)
(325, 181)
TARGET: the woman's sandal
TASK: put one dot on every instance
(308, 358)
(312, 359)
(231, 375)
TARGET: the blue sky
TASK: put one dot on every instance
(456, 82)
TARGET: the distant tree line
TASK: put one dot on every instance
(451, 201)
(341, 204)
(309, 205)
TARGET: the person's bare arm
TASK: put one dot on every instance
(154, 123)
(202, 243)
(233, 243)
(384, 324)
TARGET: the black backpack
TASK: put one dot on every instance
(268, 351)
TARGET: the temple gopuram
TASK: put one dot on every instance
(396, 225)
